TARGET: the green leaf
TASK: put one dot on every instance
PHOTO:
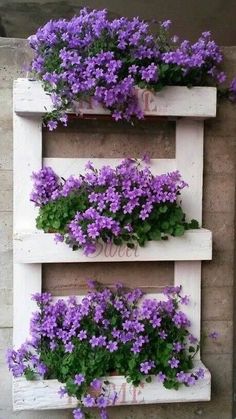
(146, 227)
(193, 224)
(29, 374)
(117, 241)
(179, 230)
(155, 235)
(56, 224)
(165, 225)
(163, 209)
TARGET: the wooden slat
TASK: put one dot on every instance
(39, 247)
(26, 278)
(172, 101)
(27, 158)
(189, 161)
(27, 281)
(150, 295)
(43, 394)
(73, 166)
(188, 275)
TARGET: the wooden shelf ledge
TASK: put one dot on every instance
(171, 101)
(43, 394)
(38, 247)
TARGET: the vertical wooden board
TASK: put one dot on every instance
(27, 281)
(189, 161)
(188, 275)
(27, 158)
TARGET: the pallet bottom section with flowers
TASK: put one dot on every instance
(43, 394)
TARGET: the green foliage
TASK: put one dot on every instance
(55, 215)
(164, 221)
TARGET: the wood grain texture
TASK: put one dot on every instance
(71, 278)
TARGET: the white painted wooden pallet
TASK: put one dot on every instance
(32, 248)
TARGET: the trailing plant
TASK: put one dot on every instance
(125, 205)
(116, 331)
(89, 55)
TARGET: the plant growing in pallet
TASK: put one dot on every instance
(92, 56)
(109, 331)
(126, 205)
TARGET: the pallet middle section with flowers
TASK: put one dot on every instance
(70, 198)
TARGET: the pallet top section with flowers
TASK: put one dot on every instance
(172, 101)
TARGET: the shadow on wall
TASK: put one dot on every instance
(2, 29)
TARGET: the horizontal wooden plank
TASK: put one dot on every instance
(172, 101)
(149, 295)
(43, 394)
(38, 247)
(73, 166)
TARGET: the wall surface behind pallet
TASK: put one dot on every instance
(218, 275)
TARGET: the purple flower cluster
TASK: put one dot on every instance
(114, 197)
(46, 182)
(204, 54)
(92, 56)
(91, 53)
(106, 325)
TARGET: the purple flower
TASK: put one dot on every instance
(69, 347)
(163, 335)
(192, 339)
(214, 335)
(88, 401)
(41, 369)
(200, 373)
(96, 384)
(145, 367)
(112, 346)
(62, 391)
(161, 377)
(103, 414)
(58, 238)
(181, 377)
(102, 402)
(166, 24)
(94, 341)
(177, 346)
(52, 125)
(190, 380)
(82, 335)
(173, 362)
(79, 379)
(185, 300)
(78, 414)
